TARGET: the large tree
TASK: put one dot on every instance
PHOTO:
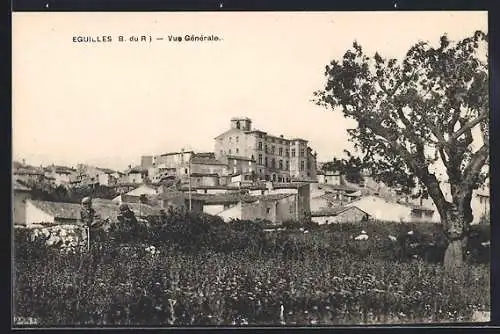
(418, 113)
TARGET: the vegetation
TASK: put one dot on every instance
(418, 112)
(44, 191)
(350, 168)
(197, 270)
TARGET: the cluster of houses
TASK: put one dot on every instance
(329, 200)
(250, 175)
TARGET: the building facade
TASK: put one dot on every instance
(276, 158)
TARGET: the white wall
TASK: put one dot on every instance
(142, 190)
(216, 191)
(323, 220)
(213, 209)
(379, 209)
(231, 213)
(35, 216)
(283, 191)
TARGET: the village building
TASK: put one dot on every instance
(61, 175)
(134, 175)
(21, 194)
(329, 177)
(385, 209)
(29, 174)
(45, 212)
(342, 214)
(275, 208)
(276, 158)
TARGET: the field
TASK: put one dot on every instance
(204, 272)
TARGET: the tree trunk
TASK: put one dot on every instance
(454, 255)
(455, 226)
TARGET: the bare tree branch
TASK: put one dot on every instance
(478, 160)
(467, 126)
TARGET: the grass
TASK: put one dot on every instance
(289, 278)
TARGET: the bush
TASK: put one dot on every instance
(207, 288)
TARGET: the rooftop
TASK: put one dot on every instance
(228, 198)
(175, 153)
(206, 161)
(333, 211)
(104, 208)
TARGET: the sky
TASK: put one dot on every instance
(109, 103)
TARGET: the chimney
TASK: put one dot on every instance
(281, 136)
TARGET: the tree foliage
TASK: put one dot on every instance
(351, 168)
(417, 114)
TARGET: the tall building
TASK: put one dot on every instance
(277, 158)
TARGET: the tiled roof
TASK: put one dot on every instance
(290, 185)
(235, 157)
(104, 208)
(236, 197)
(175, 153)
(329, 197)
(338, 187)
(19, 187)
(107, 170)
(228, 132)
(136, 169)
(210, 155)
(27, 171)
(332, 211)
(273, 197)
(204, 174)
(59, 209)
(206, 161)
(227, 198)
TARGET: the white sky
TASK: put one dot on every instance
(110, 103)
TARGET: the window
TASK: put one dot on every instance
(237, 138)
(221, 152)
(259, 146)
(260, 135)
(287, 167)
(260, 159)
(230, 139)
(237, 126)
(287, 152)
(280, 151)
(185, 170)
(229, 151)
(302, 166)
(273, 163)
(265, 148)
(237, 150)
(265, 161)
(272, 149)
(293, 153)
(301, 152)
(268, 210)
(281, 164)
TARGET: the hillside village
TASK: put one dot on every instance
(250, 175)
